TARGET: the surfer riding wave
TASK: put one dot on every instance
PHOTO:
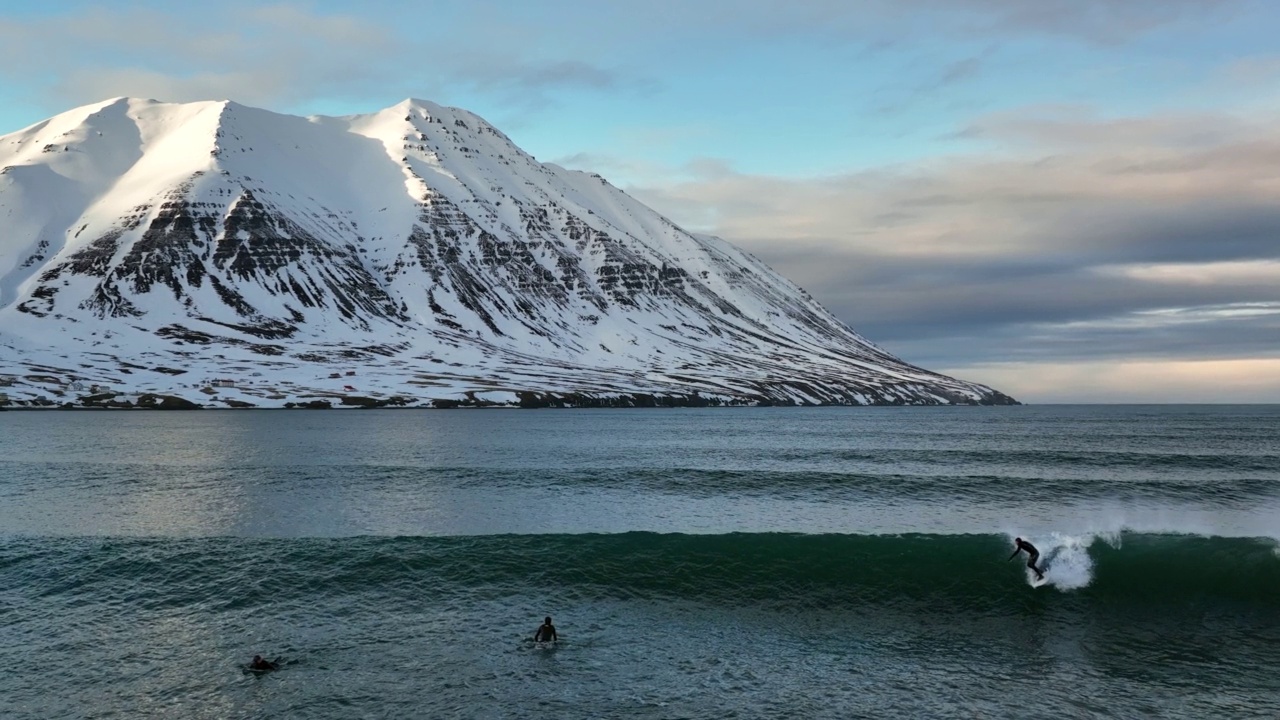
(1032, 555)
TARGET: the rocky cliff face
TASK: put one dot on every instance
(410, 256)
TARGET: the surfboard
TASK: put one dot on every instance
(1038, 583)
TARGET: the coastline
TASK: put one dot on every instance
(526, 400)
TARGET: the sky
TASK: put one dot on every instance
(1068, 200)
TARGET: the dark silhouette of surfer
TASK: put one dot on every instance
(1032, 555)
(546, 632)
(262, 665)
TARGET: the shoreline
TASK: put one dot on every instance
(523, 400)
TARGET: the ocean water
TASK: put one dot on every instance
(698, 563)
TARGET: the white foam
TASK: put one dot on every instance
(1108, 520)
(1065, 558)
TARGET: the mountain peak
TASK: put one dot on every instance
(156, 247)
(412, 103)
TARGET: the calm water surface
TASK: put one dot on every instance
(769, 562)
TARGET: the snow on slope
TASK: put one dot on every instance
(413, 253)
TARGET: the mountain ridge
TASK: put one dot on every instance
(400, 245)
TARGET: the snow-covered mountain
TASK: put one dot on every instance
(152, 253)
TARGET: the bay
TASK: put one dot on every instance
(749, 562)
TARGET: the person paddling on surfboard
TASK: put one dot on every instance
(261, 665)
(1032, 555)
(546, 632)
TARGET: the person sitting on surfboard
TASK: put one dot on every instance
(1032, 555)
(546, 632)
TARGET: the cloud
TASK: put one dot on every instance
(529, 84)
(286, 53)
(1251, 72)
(1230, 273)
(277, 56)
(1095, 20)
(876, 21)
(951, 74)
(259, 55)
(1199, 381)
(1051, 128)
(1071, 236)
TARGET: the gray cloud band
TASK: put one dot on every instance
(1044, 256)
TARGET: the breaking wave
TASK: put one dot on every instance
(952, 573)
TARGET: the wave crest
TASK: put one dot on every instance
(947, 572)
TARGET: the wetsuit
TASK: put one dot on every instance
(1032, 555)
(546, 633)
